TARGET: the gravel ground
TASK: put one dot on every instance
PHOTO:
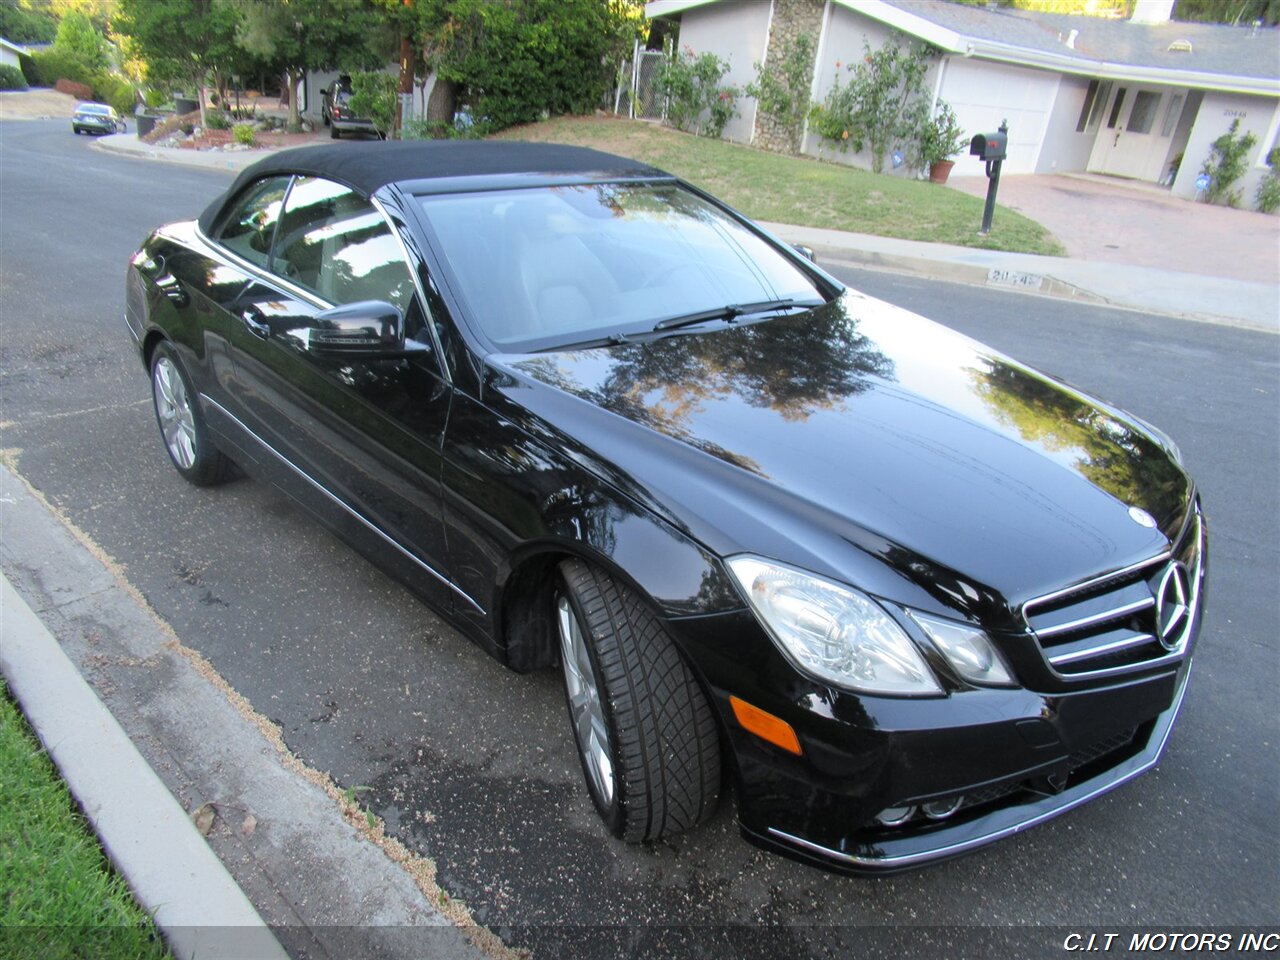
(37, 104)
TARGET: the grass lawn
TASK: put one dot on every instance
(804, 192)
(59, 896)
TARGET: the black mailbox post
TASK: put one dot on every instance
(991, 148)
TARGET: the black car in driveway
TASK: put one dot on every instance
(336, 113)
(908, 594)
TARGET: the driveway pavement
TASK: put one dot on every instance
(1114, 221)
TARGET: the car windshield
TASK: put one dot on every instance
(551, 266)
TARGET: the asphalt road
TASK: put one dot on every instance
(473, 766)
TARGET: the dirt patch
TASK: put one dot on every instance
(37, 104)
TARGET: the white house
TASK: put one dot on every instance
(9, 53)
(1119, 97)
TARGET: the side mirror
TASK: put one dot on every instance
(366, 328)
(806, 252)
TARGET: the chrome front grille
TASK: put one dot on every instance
(1129, 620)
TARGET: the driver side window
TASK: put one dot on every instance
(336, 244)
(249, 228)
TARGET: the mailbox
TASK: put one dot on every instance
(989, 146)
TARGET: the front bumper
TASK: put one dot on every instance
(1009, 758)
(1027, 805)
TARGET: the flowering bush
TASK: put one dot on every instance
(879, 104)
(1227, 163)
(691, 85)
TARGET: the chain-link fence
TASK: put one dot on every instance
(636, 92)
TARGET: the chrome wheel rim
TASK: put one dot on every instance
(173, 408)
(585, 709)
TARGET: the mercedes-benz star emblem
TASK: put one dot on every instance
(1141, 516)
(1171, 605)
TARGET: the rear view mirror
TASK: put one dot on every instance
(372, 328)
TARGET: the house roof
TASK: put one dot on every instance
(1222, 57)
(15, 47)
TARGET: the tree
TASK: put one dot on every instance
(78, 38)
(514, 60)
(1228, 11)
(301, 35)
(22, 24)
(181, 41)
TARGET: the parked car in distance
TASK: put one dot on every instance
(96, 118)
(337, 116)
(909, 595)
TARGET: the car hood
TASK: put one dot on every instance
(863, 425)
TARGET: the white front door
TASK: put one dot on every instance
(1140, 123)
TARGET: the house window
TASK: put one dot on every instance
(1115, 109)
(1143, 114)
(1095, 101)
(1171, 115)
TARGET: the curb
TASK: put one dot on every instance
(146, 834)
(182, 158)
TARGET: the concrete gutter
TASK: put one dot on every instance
(148, 836)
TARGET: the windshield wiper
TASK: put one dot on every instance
(731, 311)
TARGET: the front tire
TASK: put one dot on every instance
(182, 427)
(334, 133)
(646, 735)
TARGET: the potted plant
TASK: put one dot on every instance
(941, 138)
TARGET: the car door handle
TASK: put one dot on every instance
(256, 322)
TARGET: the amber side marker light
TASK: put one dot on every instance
(765, 725)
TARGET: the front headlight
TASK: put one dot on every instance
(967, 649)
(832, 631)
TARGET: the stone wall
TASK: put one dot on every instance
(791, 18)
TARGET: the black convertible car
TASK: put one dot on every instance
(907, 594)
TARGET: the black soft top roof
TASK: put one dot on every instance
(367, 166)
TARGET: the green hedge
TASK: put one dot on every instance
(53, 65)
(115, 90)
(11, 78)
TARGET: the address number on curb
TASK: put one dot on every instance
(1012, 278)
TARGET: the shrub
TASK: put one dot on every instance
(1228, 157)
(781, 88)
(81, 91)
(1268, 195)
(514, 62)
(115, 90)
(11, 78)
(691, 85)
(940, 137)
(245, 134)
(217, 120)
(29, 71)
(420, 128)
(881, 103)
(373, 95)
(53, 65)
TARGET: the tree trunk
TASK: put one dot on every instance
(443, 101)
(295, 118)
(200, 95)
